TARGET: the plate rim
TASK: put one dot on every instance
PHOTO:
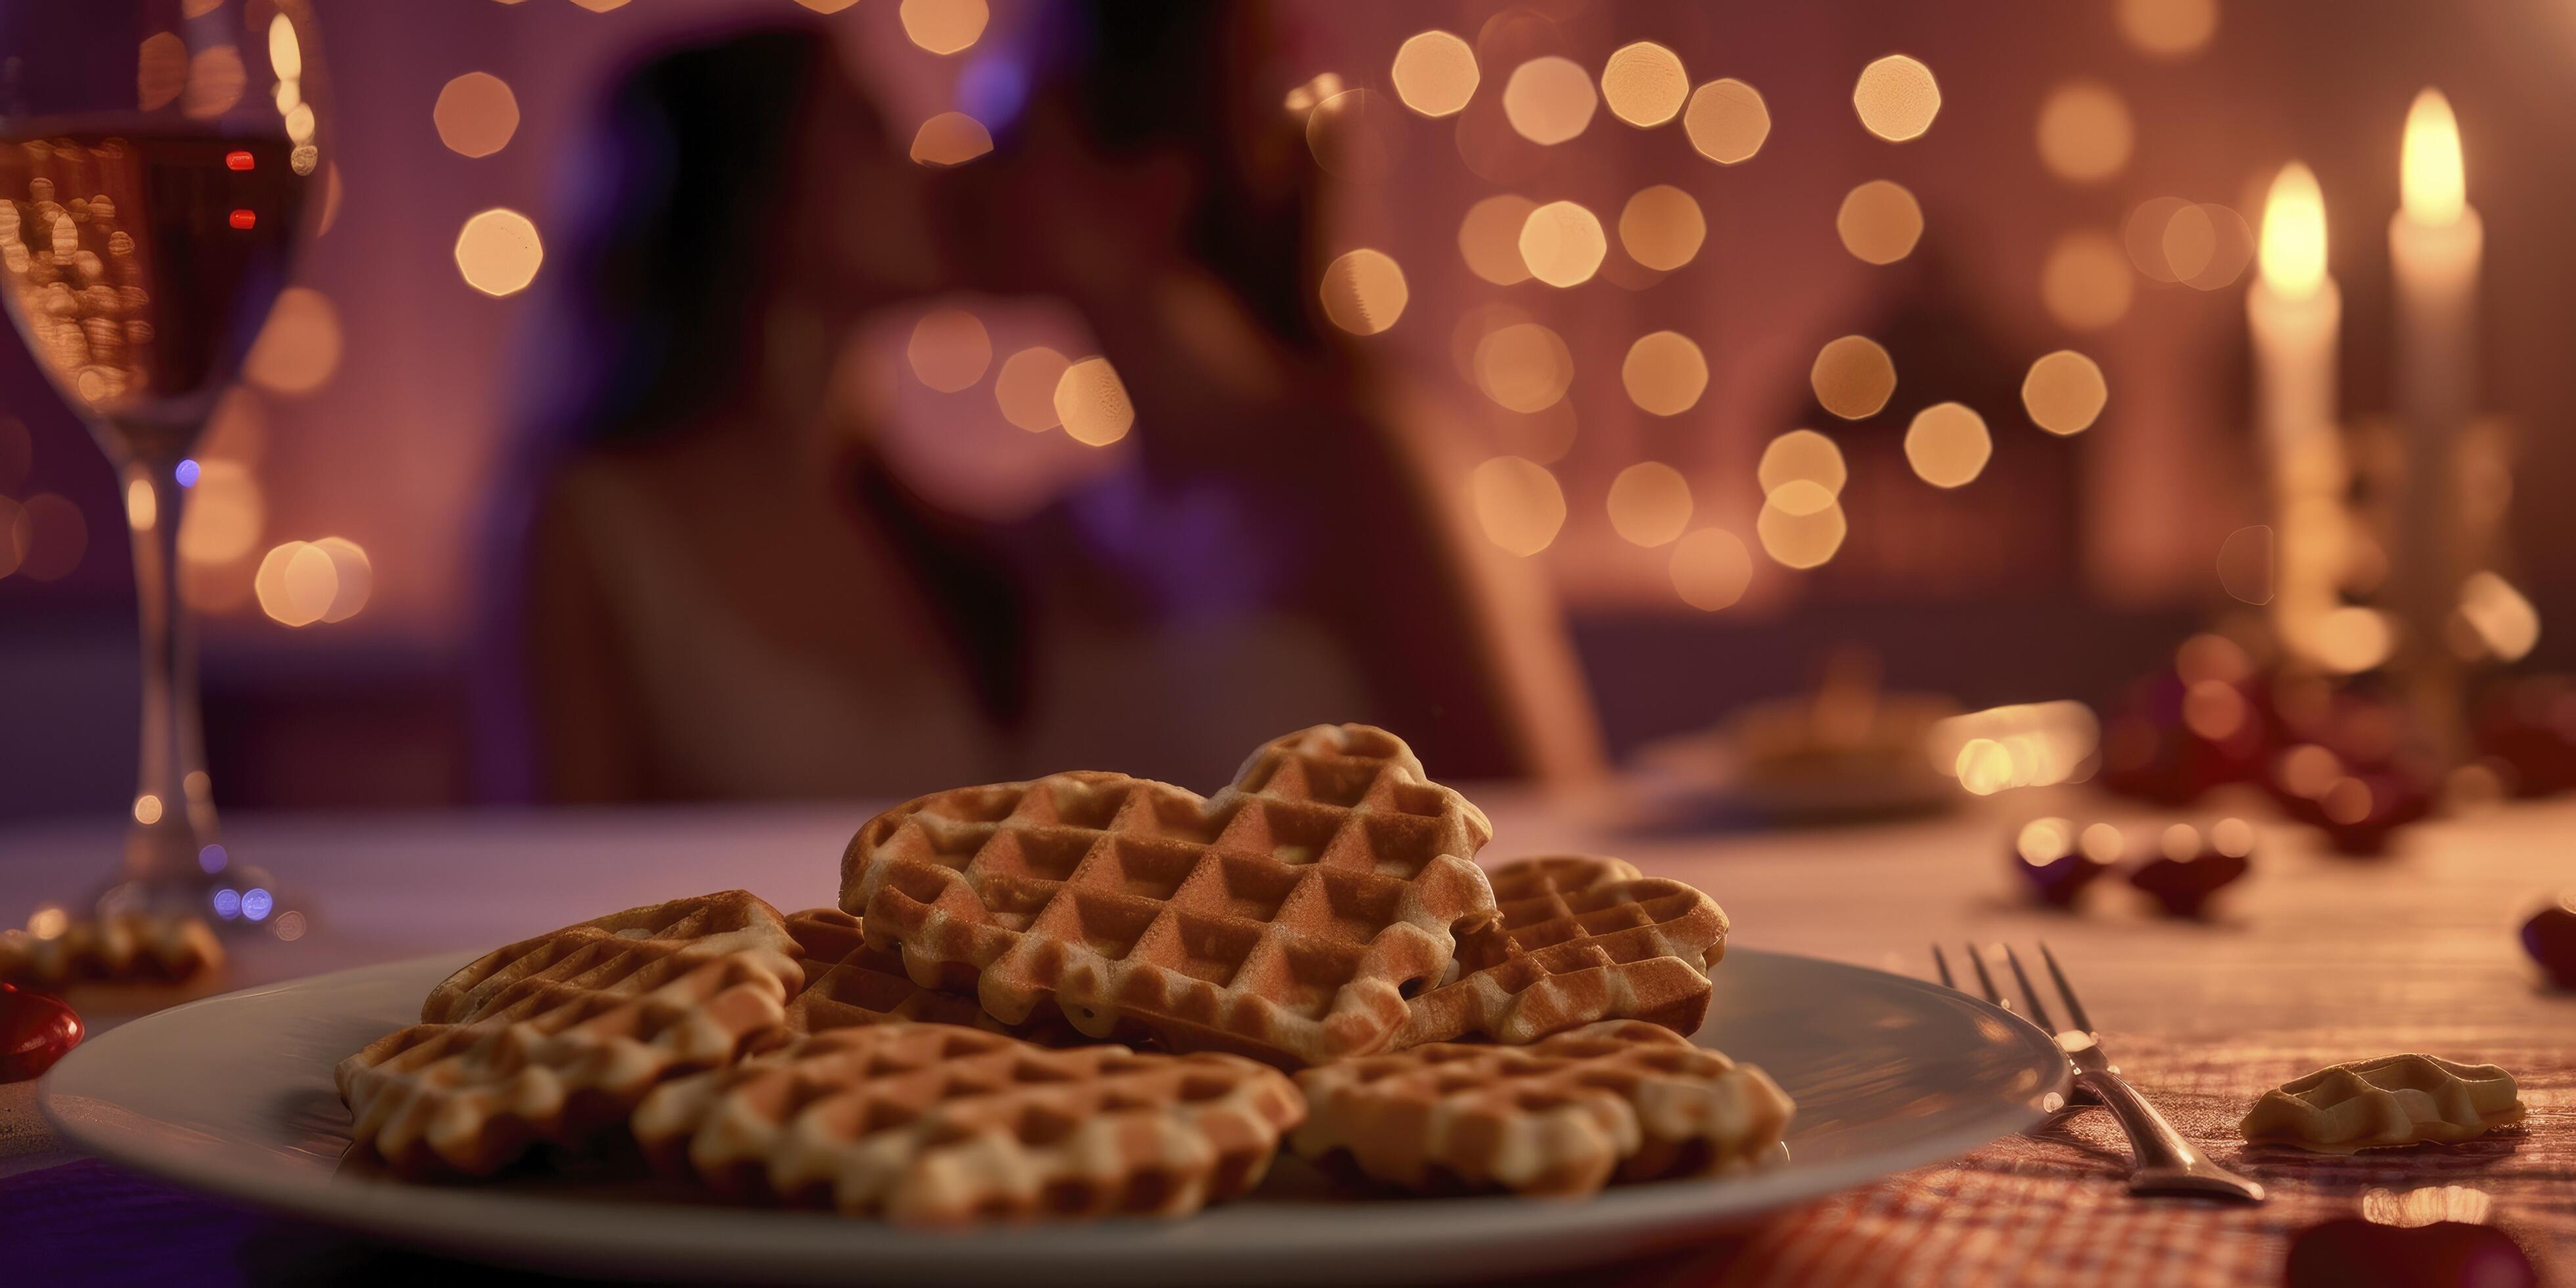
(532, 1230)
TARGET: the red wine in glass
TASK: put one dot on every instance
(159, 164)
(139, 267)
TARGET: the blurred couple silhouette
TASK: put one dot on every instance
(713, 584)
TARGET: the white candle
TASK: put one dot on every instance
(2435, 243)
(2296, 314)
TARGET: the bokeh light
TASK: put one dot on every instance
(2206, 246)
(949, 350)
(1661, 227)
(1801, 525)
(1549, 100)
(2064, 392)
(1435, 73)
(1025, 388)
(226, 511)
(1711, 569)
(601, 6)
(2168, 28)
(499, 252)
(476, 114)
(299, 347)
(55, 538)
(1355, 134)
(1853, 377)
(1364, 292)
(1803, 455)
(1091, 402)
(16, 535)
(303, 582)
(2352, 639)
(1518, 503)
(1489, 238)
(1897, 98)
(950, 138)
(1948, 445)
(1727, 121)
(17, 452)
(1664, 373)
(2085, 283)
(2245, 564)
(1650, 503)
(2144, 236)
(1562, 243)
(2501, 623)
(1524, 366)
(1302, 98)
(160, 70)
(944, 26)
(1644, 84)
(1879, 222)
(216, 78)
(2085, 134)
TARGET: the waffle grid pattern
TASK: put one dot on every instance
(932, 1124)
(848, 984)
(598, 954)
(565, 1033)
(1578, 939)
(1564, 1116)
(1289, 918)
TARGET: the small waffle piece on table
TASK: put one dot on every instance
(933, 1124)
(121, 948)
(1289, 918)
(1578, 939)
(848, 984)
(1562, 1116)
(590, 1019)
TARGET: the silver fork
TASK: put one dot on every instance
(2166, 1162)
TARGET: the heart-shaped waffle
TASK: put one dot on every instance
(598, 954)
(565, 1033)
(848, 984)
(1577, 939)
(1561, 1116)
(933, 1124)
(1288, 918)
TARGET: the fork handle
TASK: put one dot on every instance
(2166, 1162)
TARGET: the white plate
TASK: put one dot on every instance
(233, 1095)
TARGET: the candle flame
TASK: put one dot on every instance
(2436, 190)
(2294, 233)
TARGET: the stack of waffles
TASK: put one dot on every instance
(1084, 995)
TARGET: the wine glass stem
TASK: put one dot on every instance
(173, 808)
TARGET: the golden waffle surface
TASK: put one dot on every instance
(1292, 917)
(556, 1039)
(934, 1124)
(1621, 1099)
(1577, 939)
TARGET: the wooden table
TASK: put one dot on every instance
(2312, 960)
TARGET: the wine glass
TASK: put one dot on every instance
(160, 163)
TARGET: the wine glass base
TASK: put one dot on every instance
(237, 900)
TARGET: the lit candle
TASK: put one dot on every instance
(2434, 243)
(2296, 314)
